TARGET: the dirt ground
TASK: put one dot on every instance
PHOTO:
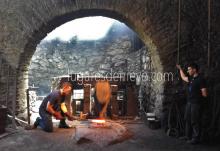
(141, 139)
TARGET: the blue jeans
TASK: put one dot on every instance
(46, 121)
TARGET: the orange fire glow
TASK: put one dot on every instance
(98, 121)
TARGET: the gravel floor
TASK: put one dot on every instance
(141, 138)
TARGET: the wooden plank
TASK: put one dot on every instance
(132, 105)
(86, 102)
(7, 89)
(14, 102)
(114, 104)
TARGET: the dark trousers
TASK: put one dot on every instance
(98, 108)
(46, 120)
(192, 118)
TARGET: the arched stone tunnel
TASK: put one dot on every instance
(25, 23)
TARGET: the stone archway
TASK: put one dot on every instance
(150, 20)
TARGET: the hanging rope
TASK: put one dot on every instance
(179, 21)
(209, 28)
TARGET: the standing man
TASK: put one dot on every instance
(54, 105)
(196, 93)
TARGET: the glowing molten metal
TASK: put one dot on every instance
(98, 121)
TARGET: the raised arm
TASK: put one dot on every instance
(182, 74)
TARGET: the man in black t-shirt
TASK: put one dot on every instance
(54, 105)
(196, 93)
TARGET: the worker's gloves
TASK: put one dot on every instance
(58, 116)
(69, 116)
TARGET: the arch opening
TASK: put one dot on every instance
(156, 86)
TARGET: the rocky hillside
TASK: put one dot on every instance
(116, 52)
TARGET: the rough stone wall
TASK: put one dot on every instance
(24, 23)
(194, 48)
(7, 84)
(149, 83)
(214, 80)
(115, 53)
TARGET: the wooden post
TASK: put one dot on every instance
(114, 102)
(0, 62)
(7, 89)
(28, 106)
(14, 103)
(86, 102)
(132, 104)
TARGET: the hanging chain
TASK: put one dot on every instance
(179, 21)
